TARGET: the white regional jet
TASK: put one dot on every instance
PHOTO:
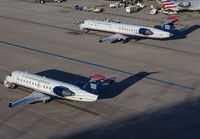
(45, 89)
(125, 32)
(178, 5)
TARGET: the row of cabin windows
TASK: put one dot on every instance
(120, 28)
(33, 83)
(94, 24)
(127, 29)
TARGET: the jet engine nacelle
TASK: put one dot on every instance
(63, 91)
(145, 31)
(185, 4)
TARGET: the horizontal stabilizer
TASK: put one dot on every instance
(171, 20)
(98, 77)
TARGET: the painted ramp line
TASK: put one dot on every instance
(93, 64)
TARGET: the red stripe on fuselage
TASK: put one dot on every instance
(165, 2)
(171, 7)
(169, 4)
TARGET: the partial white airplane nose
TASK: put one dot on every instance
(6, 81)
(8, 78)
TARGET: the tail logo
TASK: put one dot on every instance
(168, 4)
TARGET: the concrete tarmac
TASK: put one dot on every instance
(155, 96)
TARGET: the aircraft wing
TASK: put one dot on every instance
(34, 97)
(113, 38)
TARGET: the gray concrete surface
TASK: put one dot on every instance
(133, 107)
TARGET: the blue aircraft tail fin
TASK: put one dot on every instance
(169, 24)
(95, 84)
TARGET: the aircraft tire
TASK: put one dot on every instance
(124, 41)
(86, 30)
(45, 101)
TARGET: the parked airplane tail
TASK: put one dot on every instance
(169, 5)
(10, 104)
(95, 84)
(169, 25)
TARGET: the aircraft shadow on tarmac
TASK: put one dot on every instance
(63, 76)
(113, 90)
(73, 33)
(117, 88)
(182, 34)
(178, 121)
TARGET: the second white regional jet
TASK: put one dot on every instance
(125, 32)
(45, 89)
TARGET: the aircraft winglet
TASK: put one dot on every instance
(100, 39)
(10, 104)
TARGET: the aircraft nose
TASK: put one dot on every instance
(7, 78)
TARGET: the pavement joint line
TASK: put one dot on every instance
(93, 64)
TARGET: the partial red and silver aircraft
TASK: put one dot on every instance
(180, 5)
(45, 89)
